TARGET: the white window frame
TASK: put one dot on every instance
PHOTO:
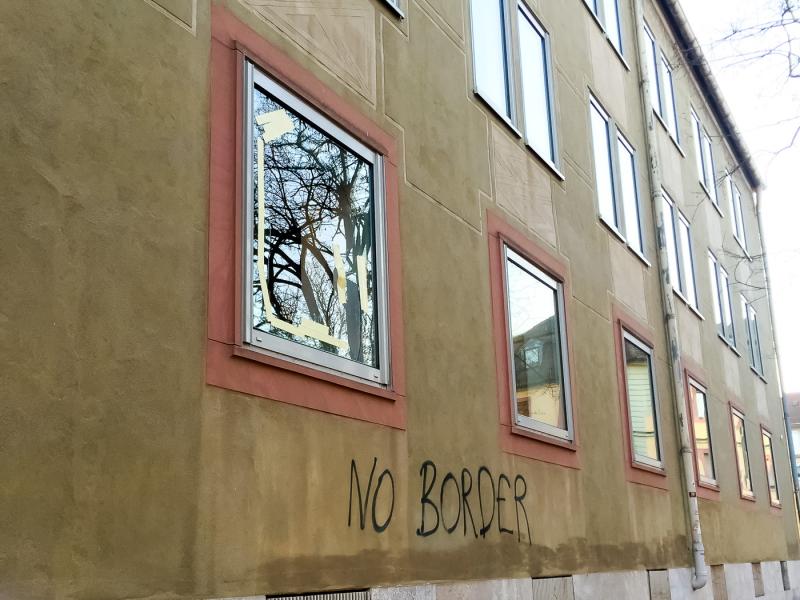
(736, 413)
(286, 349)
(520, 260)
(667, 109)
(680, 282)
(394, 5)
(737, 214)
(515, 86)
(614, 137)
(706, 169)
(693, 383)
(643, 460)
(766, 433)
(717, 275)
(600, 11)
(751, 326)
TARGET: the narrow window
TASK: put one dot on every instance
(677, 232)
(538, 348)
(536, 85)
(640, 388)
(604, 171)
(662, 91)
(737, 216)
(753, 340)
(615, 178)
(630, 195)
(651, 49)
(713, 269)
(726, 307)
(607, 14)
(314, 282)
(490, 49)
(705, 159)
(669, 112)
(704, 455)
(742, 458)
(772, 476)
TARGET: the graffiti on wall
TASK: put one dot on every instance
(476, 503)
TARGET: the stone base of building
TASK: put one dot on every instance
(744, 581)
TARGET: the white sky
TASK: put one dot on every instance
(766, 107)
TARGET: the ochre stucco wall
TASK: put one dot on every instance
(125, 476)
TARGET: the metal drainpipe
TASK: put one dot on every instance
(700, 572)
(786, 421)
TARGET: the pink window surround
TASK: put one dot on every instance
(635, 472)
(693, 371)
(229, 363)
(515, 439)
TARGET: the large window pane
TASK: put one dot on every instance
(702, 434)
(535, 86)
(601, 143)
(312, 245)
(698, 147)
(742, 458)
(535, 326)
(641, 403)
(772, 478)
(709, 177)
(630, 200)
(490, 49)
(753, 342)
(737, 219)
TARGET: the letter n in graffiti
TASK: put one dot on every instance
(384, 485)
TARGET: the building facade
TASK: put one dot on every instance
(395, 299)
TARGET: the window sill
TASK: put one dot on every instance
(602, 27)
(647, 475)
(759, 375)
(395, 9)
(708, 492)
(750, 498)
(743, 247)
(543, 437)
(688, 304)
(546, 162)
(624, 241)
(729, 344)
(498, 113)
(675, 142)
(718, 209)
(708, 193)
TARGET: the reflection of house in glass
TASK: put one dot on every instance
(641, 402)
(537, 374)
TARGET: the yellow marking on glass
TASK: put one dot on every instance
(361, 268)
(341, 282)
(275, 124)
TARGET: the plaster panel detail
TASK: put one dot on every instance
(772, 577)
(340, 34)
(730, 363)
(659, 585)
(497, 589)
(626, 273)
(553, 588)
(739, 581)
(761, 403)
(624, 585)
(689, 327)
(421, 592)
(680, 586)
(522, 187)
(182, 12)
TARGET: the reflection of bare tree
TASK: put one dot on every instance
(318, 197)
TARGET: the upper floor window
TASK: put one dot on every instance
(642, 401)
(395, 6)
(742, 456)
(753, 339)
(662, 91)
(705, 159)
(615, 178)
(677, 232)
(704, 455)
(737, 215)
(315, 275)
(721, 292)
(772, 475)
(608, 15)
(538, 348)
(499, 81)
